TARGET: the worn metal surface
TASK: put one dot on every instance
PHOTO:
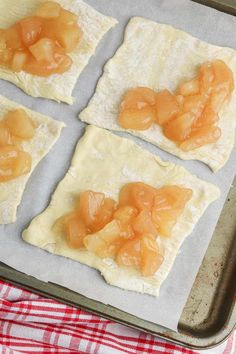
(228, 6)
(209, 315)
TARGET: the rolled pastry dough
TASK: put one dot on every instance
(56, 87)
(46, 134)
(105, 162)
(161, 57)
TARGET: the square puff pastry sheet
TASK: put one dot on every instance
(46, 134)
(56, 87)
(161, 57)
(105, 162)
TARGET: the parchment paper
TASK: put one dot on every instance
(205, 23)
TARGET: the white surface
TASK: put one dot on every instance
(202, 22)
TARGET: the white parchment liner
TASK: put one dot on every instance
(200, 21)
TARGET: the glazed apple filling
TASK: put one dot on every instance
(126, 230)
(189, 117)
(15, 128)
(40, 44)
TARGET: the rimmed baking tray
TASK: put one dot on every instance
(209, 315)
(228, 6)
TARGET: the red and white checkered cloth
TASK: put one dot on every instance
(32, 324)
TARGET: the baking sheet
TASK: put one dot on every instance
(200, 21)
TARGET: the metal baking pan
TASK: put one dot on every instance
(228, 6)
(209, 315)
